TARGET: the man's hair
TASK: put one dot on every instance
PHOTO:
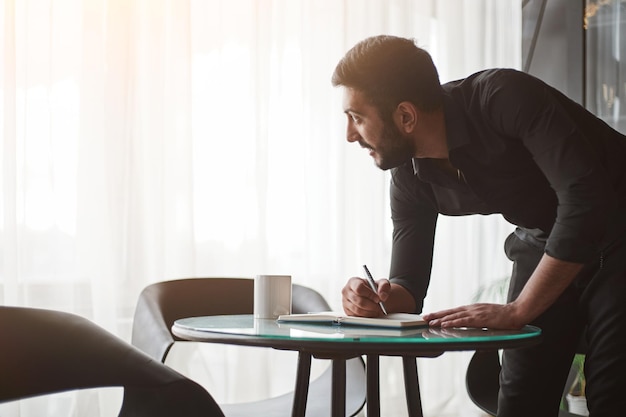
(390, 70)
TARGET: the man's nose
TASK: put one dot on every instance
(352, 135)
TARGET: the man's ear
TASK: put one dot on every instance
(406, 116)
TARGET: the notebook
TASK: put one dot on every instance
(393, 320)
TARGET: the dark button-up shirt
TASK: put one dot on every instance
(524, 150)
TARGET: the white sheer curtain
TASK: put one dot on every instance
(143, 140)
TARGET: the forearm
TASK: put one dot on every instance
(551, 277)
(546, 284)
(400, 300)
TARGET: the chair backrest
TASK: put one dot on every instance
(162, 303)
(307, 300)
(47, 351)
(482, 380)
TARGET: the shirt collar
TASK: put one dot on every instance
(456, 126)
(456, 122)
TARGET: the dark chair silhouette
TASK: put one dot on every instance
(482, 380)
(162, 303)
(47, 351)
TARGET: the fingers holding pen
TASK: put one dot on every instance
(384, 289)
(358, 299)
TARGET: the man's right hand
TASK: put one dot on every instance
(359, 299)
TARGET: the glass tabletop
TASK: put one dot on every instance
(248, 326)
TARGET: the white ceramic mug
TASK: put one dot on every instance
(272, 296)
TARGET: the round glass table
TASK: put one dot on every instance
(340, 342)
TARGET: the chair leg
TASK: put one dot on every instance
(412, 387)
(301, 391)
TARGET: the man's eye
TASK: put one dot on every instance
(355, 119)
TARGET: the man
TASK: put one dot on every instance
(500, 141)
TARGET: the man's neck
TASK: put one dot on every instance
(430, 136)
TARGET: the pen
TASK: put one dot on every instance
(370, 280)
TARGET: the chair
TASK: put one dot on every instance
(47, 351)
(482, 380)
(162, 303)
(483, 383)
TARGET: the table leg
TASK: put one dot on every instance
(338, 400)
(412, 387)
(301, 391)
(373, 387)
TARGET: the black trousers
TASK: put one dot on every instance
(593, 307)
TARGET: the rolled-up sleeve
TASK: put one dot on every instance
(571, 161)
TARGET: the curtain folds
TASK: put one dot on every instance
(143, 140)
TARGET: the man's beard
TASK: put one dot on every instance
(397, 148)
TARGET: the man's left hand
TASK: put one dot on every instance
(493, 316)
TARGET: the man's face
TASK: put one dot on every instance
(387, 145)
